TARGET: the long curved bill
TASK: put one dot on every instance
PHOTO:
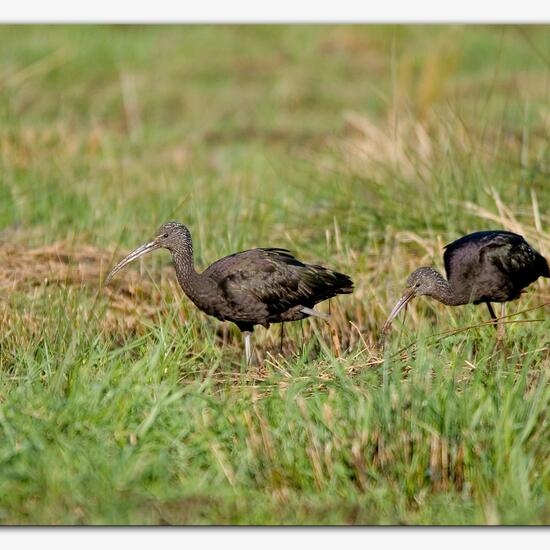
(140, 251)
(404, 300)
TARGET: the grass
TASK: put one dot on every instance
(365, 148)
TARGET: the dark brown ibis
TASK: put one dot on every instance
(255, 287)
(482, 267)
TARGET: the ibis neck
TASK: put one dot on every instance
(443, 292)
(185, 268)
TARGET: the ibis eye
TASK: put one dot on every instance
(165, 235)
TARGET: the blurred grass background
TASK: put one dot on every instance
(365, 148)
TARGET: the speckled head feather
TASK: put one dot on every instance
(172, 235)
(426, 281)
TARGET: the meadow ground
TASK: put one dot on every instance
(364, 148)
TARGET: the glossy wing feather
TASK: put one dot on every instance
(516, 259)
(467, 248)
(493, 265)
(224, 265)
(270, 281)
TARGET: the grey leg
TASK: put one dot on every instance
(501, 326)
(282, 338)
(248, 346)
(492, 313)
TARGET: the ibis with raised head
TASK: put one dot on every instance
(255, 287)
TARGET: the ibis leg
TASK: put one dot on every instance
(248, 346)
(501, 325)
(282, 338)
(492, 314)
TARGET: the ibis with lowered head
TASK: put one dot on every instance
(482, 267)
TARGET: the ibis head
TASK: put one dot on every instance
(425, 281)
(171, 235)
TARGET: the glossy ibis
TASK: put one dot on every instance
(482, 267)
(255, 287)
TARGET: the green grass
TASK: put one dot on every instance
(364, 147)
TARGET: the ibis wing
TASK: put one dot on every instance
(220, 268)
(271, 278)
(496, 261)
(468, 249)
(515, 258)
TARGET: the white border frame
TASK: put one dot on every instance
(281, 11)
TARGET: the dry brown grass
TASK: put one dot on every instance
(413, 148)
(132, 299)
